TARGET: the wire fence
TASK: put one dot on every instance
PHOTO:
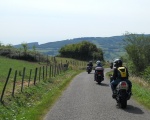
(34, 76)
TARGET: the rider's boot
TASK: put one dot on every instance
(114, 94)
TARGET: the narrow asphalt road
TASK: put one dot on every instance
(84, 99)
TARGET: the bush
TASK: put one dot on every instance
(146, 74)
(14, 53)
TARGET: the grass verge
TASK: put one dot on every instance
(35, 101)
(141, 91)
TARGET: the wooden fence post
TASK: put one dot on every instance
(43, 72)
(39, 74)
(59, 69)
(50, 70)
(35, 76)
(23, 79)
(55, 70)
(46, 71)
(5, 85)
(14, 84)
(29, 77)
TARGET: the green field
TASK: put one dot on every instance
(19, 65)
(36, 99)
(15, 65)
(7, 63)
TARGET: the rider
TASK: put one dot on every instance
(98, 64)
(117, 76)
(90, 64)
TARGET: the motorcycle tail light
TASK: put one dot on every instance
(124, 84)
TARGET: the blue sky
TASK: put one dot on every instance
(25, 21)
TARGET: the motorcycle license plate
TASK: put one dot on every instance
(99, 74)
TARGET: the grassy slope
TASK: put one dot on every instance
(18, 65)
(34, 102)
(7, 63)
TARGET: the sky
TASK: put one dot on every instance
(42, 21)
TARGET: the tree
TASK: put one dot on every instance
(34, 51)
(137, 47)
(25, 48)
(82, 51)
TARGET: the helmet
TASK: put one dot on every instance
(117, 62)
(90, 61)
(98, 61)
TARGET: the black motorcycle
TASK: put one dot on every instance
(99, 74)
(122, 94)
(89, 69)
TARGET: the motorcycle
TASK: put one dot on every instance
(99, 74)
(111, 65)
(121, 94)
(89, 69)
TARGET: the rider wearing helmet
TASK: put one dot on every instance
(90, 64)
(117, 76)
(98, 64)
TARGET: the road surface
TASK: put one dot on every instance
(84, 99)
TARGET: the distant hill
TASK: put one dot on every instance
(112, 46)
(30, 45)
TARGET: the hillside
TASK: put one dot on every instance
(112, 46)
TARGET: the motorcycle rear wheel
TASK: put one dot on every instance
(99, 79)
(123, 103)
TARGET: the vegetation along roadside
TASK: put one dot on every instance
(34, 102)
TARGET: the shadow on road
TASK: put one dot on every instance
(134, 110)
(91, 73)
(103, 84)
